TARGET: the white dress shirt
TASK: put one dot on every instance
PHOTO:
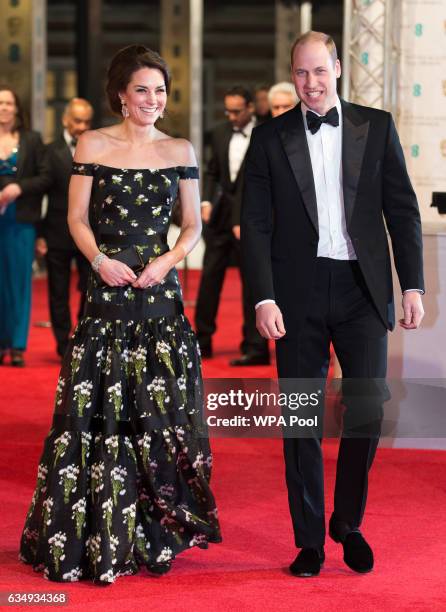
(238, 145)
(326, 161)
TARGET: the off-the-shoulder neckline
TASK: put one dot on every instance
(132, 169)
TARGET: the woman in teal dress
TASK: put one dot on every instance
(23, 180)
(123, 481)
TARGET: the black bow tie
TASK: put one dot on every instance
(314, 121)
(73, 141)
(237, 131)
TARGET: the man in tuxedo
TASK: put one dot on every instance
(320, 180)
(221, 215)
(54, 240)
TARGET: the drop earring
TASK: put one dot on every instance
(124, 109)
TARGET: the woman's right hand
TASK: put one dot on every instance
(116, 273)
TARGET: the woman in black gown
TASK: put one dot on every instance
(124, 476)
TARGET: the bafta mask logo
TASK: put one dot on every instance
(444, 87)
(443, 148)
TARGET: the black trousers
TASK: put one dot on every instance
(340, 311)
(59, 274)
(221, 249)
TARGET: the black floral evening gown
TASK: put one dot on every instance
(124, 476)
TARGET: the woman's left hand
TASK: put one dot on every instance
(154, 272)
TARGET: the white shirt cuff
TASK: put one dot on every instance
(264, 302)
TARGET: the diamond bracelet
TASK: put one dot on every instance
(97, 261)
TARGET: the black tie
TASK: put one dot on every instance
(314, 121)
(74, 142)
(237, 131)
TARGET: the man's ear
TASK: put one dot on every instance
(338, 69)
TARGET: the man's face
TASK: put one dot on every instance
(281, 102)
(78, 119)
(314, 76)
(238, 111)
(261, 102)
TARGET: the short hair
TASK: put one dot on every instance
(313, 36)
(20, 121)
(239, 90)
(127, 61)
(283, 87)
(75, 101)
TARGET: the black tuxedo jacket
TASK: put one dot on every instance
(279, 234)
(225, 195)
(54, 226)
(32, 175)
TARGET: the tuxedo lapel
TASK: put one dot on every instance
(65, 155)
(354, 139)
(292, 135)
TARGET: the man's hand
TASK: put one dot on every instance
(413, 310)
(41, 247)
(206, 210)
(236, 231)
(269, 321)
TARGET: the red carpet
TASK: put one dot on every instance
(405, 522)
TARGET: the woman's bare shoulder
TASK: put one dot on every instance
(90, 143)
(179, 150)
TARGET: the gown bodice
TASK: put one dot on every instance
(131, 206)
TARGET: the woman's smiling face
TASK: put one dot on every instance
(145, 96)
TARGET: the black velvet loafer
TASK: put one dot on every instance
(357, 553)
(308, 562)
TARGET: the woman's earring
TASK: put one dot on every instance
(124, 109)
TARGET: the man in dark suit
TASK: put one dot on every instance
(320, 180)
(221, 214)
(54, 237)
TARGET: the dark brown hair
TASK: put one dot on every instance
(124, 64)
(239, 90)
(312, 36)
(20, 121)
